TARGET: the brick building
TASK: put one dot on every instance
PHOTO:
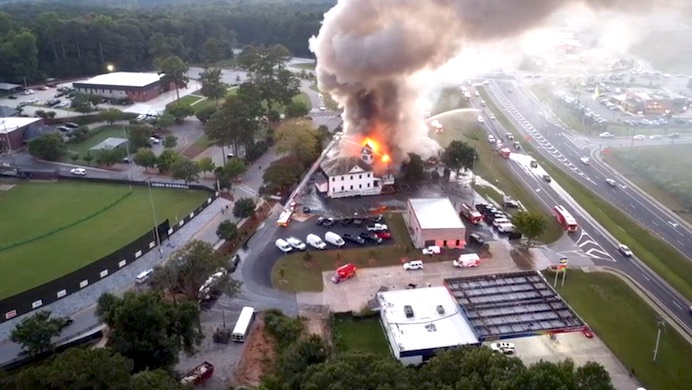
(435, 221)
(13, 131)
(138, 87)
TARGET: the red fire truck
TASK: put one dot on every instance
(469, 213)
(565, 219)
(345, 272)
(199, 375)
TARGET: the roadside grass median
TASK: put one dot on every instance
(628, 326)
(491, 167)
(663, 259)
(302, 271)
(329, 102)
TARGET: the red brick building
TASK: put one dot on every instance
(138, 87)
(12, 132)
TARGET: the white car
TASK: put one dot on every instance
(506, 348)
(491, 139)
(639, 137)
(432, 250)
(154, 140)
(624, 250)
(78, 171)
(606, 135)
(32, 101)
(492, 116)
(611, 182)
(413, 265)
(323, 108)
(29, 92)
(585, 160)
(655, 137)
(480, 119)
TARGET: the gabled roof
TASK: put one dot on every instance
(343, 165)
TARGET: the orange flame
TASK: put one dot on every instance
(373, 144)
(385, 158)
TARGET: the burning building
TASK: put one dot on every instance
(347, 174)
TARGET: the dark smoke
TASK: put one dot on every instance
(369, 52)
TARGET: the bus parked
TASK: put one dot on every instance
(243, 325)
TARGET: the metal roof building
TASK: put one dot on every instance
(435, 221)
(512, 305)
(418, 322)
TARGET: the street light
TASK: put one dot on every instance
(661, 324)
(153, 213)
(110, 67)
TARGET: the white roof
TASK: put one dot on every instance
(123, 79)
(8, 125)
(427, 329)
(436, 213)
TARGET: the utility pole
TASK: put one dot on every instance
(156, 224)
(661, 324)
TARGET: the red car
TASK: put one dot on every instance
(384, 235)
(587, 332)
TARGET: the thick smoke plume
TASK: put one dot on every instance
(369, 53)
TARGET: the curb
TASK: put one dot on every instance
(655, 304)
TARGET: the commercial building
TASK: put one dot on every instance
(138, 87)
(418, 322)
(13, 131)
(642, 101)
(435, 221)
(347, 176)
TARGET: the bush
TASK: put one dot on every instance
(285, 330)
(255, 151)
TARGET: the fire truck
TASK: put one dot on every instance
(285, 218)
(199, 375)
(345, 272)
(565, 219)
(504, 152)
(469, 213)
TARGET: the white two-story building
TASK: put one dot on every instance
(342, 177)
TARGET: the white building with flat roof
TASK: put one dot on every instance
(418, 322)
(138, 87)
(435, 221)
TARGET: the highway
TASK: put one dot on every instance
(593, 239)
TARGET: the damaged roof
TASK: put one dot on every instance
(343, 165)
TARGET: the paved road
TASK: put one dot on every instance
(593, 239)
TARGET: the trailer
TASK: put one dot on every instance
(199, 375)
(345, 272)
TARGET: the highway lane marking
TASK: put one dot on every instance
(646, 277)
(676, 304)
(681, 243)
(654, 222)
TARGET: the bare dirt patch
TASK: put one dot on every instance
(317, 321)
(257, 358)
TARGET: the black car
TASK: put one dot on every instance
(233, 263)
(329, 222)
(476, 239)
(306, 210)
(12, 97)
(357, 222)
(370, 238)
(346, 221)
(320, 220)
(353, 238)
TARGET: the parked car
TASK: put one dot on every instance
(233, 263)
(639, 137)
(369, 237)
(334, 239)
(346, 221)
(384, 235)
(78, 171)
(329, 222)
(283, 245)
(413, 265)
(357, 222)
(504, 347)
(432, 250)
(354, 239)
(315, 241)
(296, 243)
(475, 238)
(320, 220)
(378, 227)
(606, 135)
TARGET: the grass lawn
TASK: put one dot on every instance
(330, 103)
(302, 275)
(39, 208)
(490, 166)
(652, 168)
(190, 99)
(665, 260)
(628, 327)
(362, 334)
(99, 135)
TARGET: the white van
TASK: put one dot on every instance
(144, 276)
(283, 246)
(505, 228)
(315, 241)
(500, 221)
(334, 239)
(296, 243)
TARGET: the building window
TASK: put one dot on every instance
(342, 178)
(458, 243)
(368, 175)
(333, 178)
(444, 243)
(351, 177)
(360, 176)
(351, 188)
(342, 188)
(368, 185)
(360, 186)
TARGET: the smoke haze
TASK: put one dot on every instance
(372, 55)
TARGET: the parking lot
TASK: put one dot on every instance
(575, 346)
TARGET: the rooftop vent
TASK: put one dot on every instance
(440, 309)
(408, 311)
(431, 327)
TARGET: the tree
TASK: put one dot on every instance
(49, 147)
(150, 330)
(297, 138)
(88, 158)
(144, 157)
(189, 267)
(206, 164)
(235, 123)
(34, 333)
(296, 110)
(110, 156)
(283, 172)
(51, 114)
(165, 120)
(244, 208)
(414, 169)
(214, 51)
(140, 136)
(227, 230)
(205, 113)
(179, 110)
(593, 376)
(185, 169)
(459, 155)
(166, 159)
(233, 168)
(267, 70)
(111, 115)
(212, 87)
(297, 358)
(170, 141)
(74, 157)
(530, 225)
(153, 380)
(173, 70)
(82, 103)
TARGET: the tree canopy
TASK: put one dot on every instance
(530, 225)
(34, 333)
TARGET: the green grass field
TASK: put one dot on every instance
(628, 327)
(362, 334)
(39, 208)
(665, 260)
(100, 134)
